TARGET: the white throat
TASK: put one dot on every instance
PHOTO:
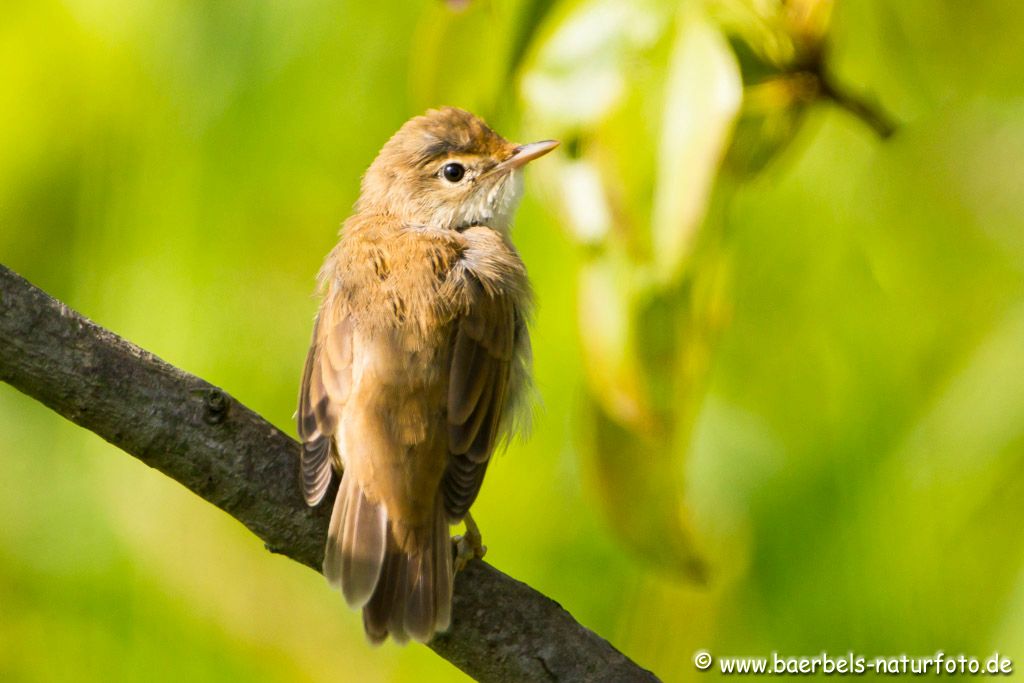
(493, 206)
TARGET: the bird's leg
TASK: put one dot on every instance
(469, 545)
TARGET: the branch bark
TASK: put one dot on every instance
(195, 433)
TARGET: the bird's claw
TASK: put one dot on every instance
(468, 546)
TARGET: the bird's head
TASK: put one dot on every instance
(448, 169)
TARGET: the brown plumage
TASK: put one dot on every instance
(419, 359)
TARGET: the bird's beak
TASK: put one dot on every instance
(525, 153)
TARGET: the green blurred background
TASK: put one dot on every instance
(779, 345)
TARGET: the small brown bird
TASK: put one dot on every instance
(418, 364)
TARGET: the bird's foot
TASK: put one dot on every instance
(468, 546)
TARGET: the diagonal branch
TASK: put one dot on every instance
(502, 630)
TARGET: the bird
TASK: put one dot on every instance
(419, 366)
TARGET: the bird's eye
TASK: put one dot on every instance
(453, 172)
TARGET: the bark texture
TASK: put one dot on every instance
(197, 434)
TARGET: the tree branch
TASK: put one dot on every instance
(502, 630)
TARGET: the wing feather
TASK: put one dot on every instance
(326, 383)
(483, 350)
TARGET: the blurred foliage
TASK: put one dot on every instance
(779, 261)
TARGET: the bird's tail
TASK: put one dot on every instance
(404, 588)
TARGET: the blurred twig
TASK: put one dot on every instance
(502, 630)
(871, 114)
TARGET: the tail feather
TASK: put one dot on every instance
(413, 596)
(395, 616)
(356, 543)
(332, 554)
(420, 608)
(444, 571)
(377, 612)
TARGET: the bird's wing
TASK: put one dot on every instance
(485, 341)
(326, 382)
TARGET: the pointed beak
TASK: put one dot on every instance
(525, 153)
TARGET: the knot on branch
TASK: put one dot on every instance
(215, 406)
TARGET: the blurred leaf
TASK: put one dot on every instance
(785, 34)
(808, 22)
(773, 111)
(585, 202)
(594, 80)
(760, 24)
(581, 70)
(641, 493)
(658, 357)
(635, 190)
(607, 311)
(702, 97)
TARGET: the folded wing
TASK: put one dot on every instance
(485, 340)
(326, 382)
